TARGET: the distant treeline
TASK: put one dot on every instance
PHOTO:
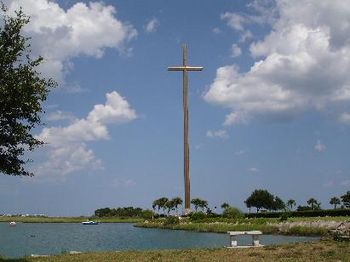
(307, 213)
(123, 212)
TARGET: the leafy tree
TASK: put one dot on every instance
(346, 199)
(260, 198)
(312, 202)
(22, 92)
(334, 201)
(232, 212)
(103, 212)
(291, 203)
(225, 205)
(278, 204)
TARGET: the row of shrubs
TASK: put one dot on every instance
(308, 213)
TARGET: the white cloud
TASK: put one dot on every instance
(59, 116)
(320, 147)
(234, 20)
(301, 65)
(60, 35)
(235, 50)
(217, 133)
(216, 30)
(152, 25)
(67, 149)
(253, 169)
(344, 118)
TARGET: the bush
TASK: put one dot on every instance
(147, 214)
(232, 212)
(171, 220)
(195, 216)
(284, 217)
(308, 213)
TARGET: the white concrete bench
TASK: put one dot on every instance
(254, 234)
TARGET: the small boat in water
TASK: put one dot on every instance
(90, 223)
(12, 224)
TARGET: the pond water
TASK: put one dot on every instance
(55, 238)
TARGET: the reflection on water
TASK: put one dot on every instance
(54, 238)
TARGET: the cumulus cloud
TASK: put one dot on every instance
(83, 30)
(60, 116)
(217, 133)
(301, 64)
(344, 118)
(320, 147)
(67, 145)
(152, 25)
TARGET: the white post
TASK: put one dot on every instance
(256, 242)
(233, 240)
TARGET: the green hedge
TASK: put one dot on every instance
(309, 213)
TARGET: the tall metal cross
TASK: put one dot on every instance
(185, 68)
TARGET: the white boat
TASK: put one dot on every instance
(90, 223)
(12, 224)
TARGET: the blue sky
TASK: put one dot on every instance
(269, 110)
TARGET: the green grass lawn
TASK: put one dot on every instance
(320, 251)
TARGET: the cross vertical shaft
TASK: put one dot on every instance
(186, 143)
(184, 68)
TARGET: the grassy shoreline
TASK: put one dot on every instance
(68, 219)
(325, 250)
(223, 228)
(294, 226)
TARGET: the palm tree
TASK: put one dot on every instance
(160, 203)
(334, 201)
(196, 202)
(177, 201)
(291, 203)
(313, 203)
(155, 205)
(170, 205)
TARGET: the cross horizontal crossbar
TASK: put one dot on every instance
(185, 68)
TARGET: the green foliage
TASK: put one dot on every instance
(166, 204)
(308, 231)
(22, 92)
(308, 213)
(199, 203)
(284, 217)
(346, 199)
(120, 212)
(278, 204)
(260, 198)
(147, 214)
(195, 216)
(172, 220)
(314, 204)
(232, 212)
(291, 203)
(225, 205)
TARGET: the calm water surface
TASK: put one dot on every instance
(26, 239)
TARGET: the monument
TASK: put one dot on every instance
(185, 69)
